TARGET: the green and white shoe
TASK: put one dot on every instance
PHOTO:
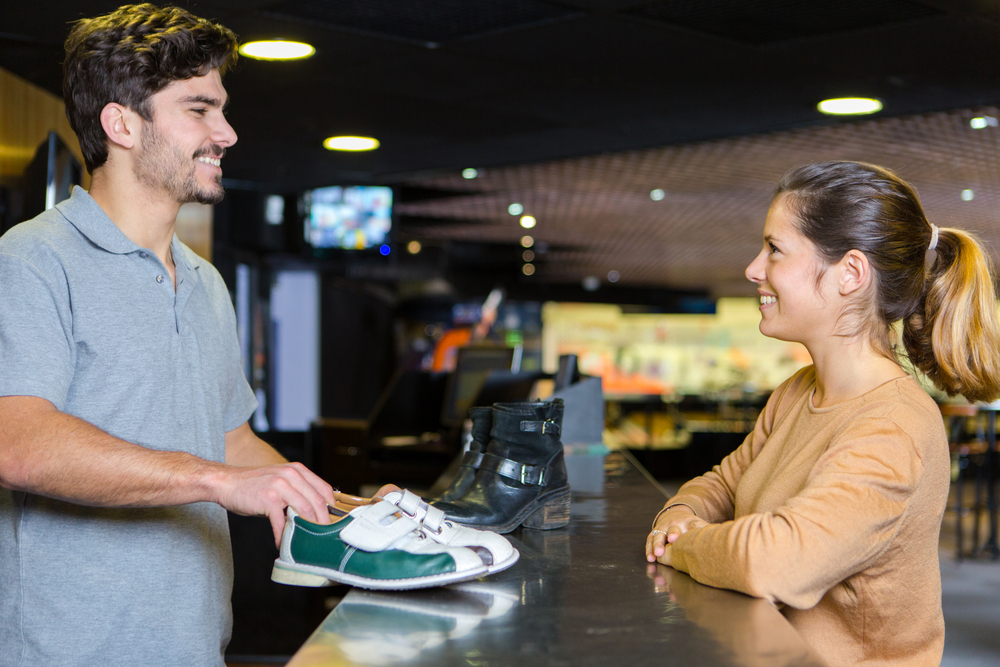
(374, 547)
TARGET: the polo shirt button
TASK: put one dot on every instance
(159, 279)
(143, 255)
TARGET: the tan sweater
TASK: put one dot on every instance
(835, 513)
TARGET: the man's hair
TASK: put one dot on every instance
(129, 55)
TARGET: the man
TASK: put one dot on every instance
(123, 408)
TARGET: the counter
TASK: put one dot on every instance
(580, 595)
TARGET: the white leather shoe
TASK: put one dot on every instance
(497, 553)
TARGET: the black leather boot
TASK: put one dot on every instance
(522, 478)
(482, 420)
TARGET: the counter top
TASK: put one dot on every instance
(580, 595)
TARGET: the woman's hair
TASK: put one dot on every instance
(948, 310)
(127, 56)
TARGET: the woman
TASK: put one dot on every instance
(833, 505)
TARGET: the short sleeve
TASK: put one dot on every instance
(36, 331)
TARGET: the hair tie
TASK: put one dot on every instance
(934, 237)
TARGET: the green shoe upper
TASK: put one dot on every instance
(325, 546)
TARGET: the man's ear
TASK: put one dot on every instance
(121, 124)
(855, 272)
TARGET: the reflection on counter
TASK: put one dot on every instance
(434, 626)
(750, 634)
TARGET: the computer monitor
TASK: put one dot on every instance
(349, 218)
(472, 366)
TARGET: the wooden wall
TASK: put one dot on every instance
(27, 114)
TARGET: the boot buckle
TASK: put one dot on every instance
(550, 426)
(525, 480)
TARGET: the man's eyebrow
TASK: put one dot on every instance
(206, 100)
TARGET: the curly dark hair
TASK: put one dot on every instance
(130, 54)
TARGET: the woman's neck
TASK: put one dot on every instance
(849, 367)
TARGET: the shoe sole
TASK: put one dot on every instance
(299, 574)
(546, 512)
(503, 565)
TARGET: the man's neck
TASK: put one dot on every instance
(146, 218)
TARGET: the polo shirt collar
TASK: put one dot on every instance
(88, 217)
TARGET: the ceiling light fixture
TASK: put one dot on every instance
(982, 122)
(470, 173)
(528, 269)
(613, 276)
(351, 144)
(528, 256)
(967, 195)
(527, 241)
(515, 209)
(849, 106)
(413, 247)
(528, 221)
(657, 194)
(276, 49)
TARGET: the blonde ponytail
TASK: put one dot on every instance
(955, 338)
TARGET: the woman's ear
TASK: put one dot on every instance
(120, 124)
(855, 272)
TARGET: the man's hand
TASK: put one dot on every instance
(668, 527)
(268, 490)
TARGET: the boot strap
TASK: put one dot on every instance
(521, 472)
(472, 459)
(547, 427)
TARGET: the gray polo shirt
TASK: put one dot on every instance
(91, 322)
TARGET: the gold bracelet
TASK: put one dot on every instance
(670, 507)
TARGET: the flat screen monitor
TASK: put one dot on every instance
(50, 177)
(472, 367)
(348, 217)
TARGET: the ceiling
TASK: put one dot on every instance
(577, 109)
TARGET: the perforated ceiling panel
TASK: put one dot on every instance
(597, 215)
(428, 23)
(763, 21)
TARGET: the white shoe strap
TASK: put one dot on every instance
(415, 508)
(378, 527)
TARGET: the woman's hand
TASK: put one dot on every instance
(668, 527)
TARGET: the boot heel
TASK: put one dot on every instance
(553, 514)
(283, 575)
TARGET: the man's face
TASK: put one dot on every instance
(181, 148)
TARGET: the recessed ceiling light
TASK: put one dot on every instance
(982, 122)
(528, 269)
(657, 194)
(967, 195)
(413, 247)
(528, 256)
(351, 144)
(591, 283)
(470, 173)
(527, 241)
(276, 49)
(849, 106)
(515, 209)
(528, 221)
(613, 276)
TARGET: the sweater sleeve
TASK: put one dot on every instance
(712, 496)
(844, 518)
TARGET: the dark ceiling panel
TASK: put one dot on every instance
(767, 21)
(431, 23)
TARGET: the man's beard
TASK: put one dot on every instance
(158, 165)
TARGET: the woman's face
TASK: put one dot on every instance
(794, 306)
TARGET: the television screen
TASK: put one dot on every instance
(353, 218)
